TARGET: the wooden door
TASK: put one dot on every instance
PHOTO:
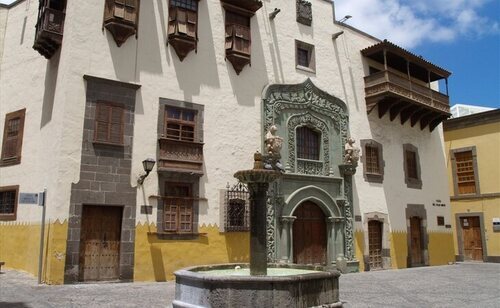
(100, 243)
(416, 241)
(472, 240)
(375, 244)
(309, 235)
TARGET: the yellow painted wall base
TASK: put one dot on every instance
(359, 243)
(20, 247)
(156, 259)
(440, 248)
(399, 249)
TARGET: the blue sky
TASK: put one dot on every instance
(462, 36)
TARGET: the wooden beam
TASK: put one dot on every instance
(417, 116)
(383, 107)
(424, 121)
(407, 112)
(370, 106)
(436, 122)
(395, 109)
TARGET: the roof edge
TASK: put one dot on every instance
(480, 118)
(9, 6)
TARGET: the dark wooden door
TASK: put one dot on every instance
(100, 243)
(309, 235)
(416, 241)
(375, 244)
(473, 244)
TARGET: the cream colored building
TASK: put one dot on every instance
(112, 93)
(472, 143)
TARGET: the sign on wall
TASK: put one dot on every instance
(28, 198)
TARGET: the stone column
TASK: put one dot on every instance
(286, 241)
(258, 235)
(338, 235)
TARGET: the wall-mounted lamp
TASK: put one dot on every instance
(336, 35)
(274, 13)
(148, 165)
(346, 17)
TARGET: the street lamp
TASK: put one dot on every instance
(148, 165)
(346, 17)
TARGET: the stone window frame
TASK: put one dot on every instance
(311, 68)
(13, 215)
(415, 183)
(14, 160)
(372, 177)
(454, 170)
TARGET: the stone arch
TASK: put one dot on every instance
(314, 194)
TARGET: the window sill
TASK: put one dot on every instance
(96, 142)
(177, 236)
(305, 69)
(8, 217)
(10, 161)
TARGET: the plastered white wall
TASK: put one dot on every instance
(232, 116)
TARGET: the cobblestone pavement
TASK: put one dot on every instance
(459, 285)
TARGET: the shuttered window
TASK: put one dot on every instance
(183, 17)
(178, 208)
(238, 33)
(126, 10)
(8, 202)
(411, 164)
(13, 137)
(109, 121)
(465, 174)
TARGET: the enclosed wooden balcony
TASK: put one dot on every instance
(49, 31)
(400, 83)
(238, 46)
(245, 5)
(180, 156)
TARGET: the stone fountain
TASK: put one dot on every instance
(258, 284)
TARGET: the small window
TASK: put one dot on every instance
(308, 143)
(237, 208)
(8, 202)
(178, 208)
(304, 56)
(180, 124)
(412, 167)
(440, 220)
(109, 121)
(372, 160)
(13, 138)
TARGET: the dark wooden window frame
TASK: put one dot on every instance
(410, 180)
(311, 54)
(453, 152)
(13, 215)
(109, 123)
(16, 159)
(374, 177)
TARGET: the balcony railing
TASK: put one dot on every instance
(385, 83)
(49, 32)
(181, 156)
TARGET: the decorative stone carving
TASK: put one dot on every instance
(273, 142)
(351, 152)
(348, 225)
(304, 12)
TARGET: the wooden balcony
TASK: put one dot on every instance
(238, 46)
(180, 156)
(49, 32)
(402, 88)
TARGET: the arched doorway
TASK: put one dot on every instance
(309, 234)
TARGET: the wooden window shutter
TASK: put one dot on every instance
(130, 10)
(192, 18)
(172, 20)
(13, 137)
(119, 10)
(109, 123)
(229, 36)
(182, 20)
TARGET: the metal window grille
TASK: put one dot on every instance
(186, 4)
(308, 143)
(7, 202)
(237, 208)
(372, 165)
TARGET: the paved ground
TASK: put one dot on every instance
(460, 285)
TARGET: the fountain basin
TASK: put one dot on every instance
(291, 286)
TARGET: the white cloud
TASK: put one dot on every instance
(410, 23)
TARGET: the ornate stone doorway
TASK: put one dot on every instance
(309, 235)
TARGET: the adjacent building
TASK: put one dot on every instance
(91, 90)
(472, 144)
